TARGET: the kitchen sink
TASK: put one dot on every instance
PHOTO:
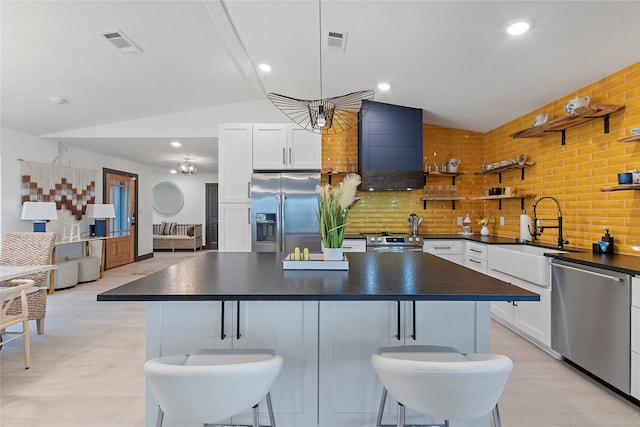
(525, 262)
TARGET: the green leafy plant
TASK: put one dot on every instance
(333, 209)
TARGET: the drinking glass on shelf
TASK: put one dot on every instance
(431, 190)
(440, 190)
(454, 190)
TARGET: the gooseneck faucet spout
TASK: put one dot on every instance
(538, 229)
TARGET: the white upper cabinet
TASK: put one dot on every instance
(234, 163)
(285, 147)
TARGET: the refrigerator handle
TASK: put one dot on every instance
(278, 224)
(282, 222)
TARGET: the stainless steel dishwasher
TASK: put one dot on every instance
(591, 320)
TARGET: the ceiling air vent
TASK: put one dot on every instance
(122, 42)
(335, 41)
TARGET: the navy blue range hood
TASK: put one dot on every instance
(390, 147)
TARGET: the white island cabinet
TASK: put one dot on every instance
(289, 328)
(285, 147)
(350, 332)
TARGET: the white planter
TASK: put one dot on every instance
(332, 254)
(484, 230)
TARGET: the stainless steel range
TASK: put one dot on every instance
(389, 242)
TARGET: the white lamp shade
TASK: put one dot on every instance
(38, 211)
(100, 210)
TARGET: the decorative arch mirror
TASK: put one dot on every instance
(168, 198)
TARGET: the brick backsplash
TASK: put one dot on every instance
(574, 173)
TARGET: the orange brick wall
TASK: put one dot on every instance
(573, 173)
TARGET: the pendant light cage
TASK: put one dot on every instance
(327, 116)
(187, 167)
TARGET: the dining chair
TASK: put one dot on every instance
(23, 248)
(9, 295)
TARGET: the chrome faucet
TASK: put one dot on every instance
(539, 229)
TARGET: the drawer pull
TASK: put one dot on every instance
(473, 260)
(475, 250)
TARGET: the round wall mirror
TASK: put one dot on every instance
(168, 198)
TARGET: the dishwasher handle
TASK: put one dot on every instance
(605, 276)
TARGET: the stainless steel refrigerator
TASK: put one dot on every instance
(283, 212)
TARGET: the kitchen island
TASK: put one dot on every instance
(325, 324)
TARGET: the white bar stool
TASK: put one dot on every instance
(210, 386)
(441, 383)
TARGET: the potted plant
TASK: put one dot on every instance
(333, 213)
(484, 222)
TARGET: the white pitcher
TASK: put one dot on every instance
(452, 165)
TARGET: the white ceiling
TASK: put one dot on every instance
(450, 58)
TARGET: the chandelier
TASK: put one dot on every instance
(325, 115)
(187, 167)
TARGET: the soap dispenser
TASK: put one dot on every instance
(606, 237)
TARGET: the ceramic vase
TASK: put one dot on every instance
(332, 254)
(484, 230)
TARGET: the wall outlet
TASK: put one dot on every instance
(460, 221)
(501, 220)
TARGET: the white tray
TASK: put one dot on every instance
(315, 263)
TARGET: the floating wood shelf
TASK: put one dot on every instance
(430, 173)
(581, 115)
(505, 168)
(630, 138)
(500, 198)
(622, 187)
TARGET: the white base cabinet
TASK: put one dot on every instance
(532, 318)
(450, 250)
(635, 337)
(475, 256)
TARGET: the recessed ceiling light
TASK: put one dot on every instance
(384, 86)
(175, 143)
(173, 171)
(265, 67)
(518, 28)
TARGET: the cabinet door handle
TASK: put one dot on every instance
(238, 335)
(413, 334)
(398, 319)
(284, 156)
(249, 216)
(222, 334)
(249, 189)
(290, 157)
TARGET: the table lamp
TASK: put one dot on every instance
(39, 213)
(100, 212)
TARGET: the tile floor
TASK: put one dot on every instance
(86, 370)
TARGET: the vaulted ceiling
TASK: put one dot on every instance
(453, 59)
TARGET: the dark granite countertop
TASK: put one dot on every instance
(628, 264)
(218, 276)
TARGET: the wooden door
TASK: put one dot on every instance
(121, 191)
